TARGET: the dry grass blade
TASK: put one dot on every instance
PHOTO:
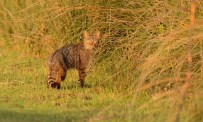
(187, 84)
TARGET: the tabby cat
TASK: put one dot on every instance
(71, 56)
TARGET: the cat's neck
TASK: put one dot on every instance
(89, 51)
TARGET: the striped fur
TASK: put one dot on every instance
(71, 56)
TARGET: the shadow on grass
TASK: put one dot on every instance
(31, 116)
(12, 116)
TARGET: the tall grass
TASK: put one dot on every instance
(142, 52)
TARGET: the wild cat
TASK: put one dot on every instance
(71, 56)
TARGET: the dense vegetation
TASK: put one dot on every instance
(138, 71)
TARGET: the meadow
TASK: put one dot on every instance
(138, 71)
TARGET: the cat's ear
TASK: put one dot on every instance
(85, 34)
(97, 35)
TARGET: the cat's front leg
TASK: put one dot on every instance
(82, 76)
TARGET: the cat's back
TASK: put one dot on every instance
(71, 53)
(69, 48)
(55, 57)
(68, 55)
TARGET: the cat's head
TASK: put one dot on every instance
(90, 40)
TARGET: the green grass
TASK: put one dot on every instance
(25, 97)
(138, 70)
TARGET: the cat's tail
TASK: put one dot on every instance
(52, 82)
